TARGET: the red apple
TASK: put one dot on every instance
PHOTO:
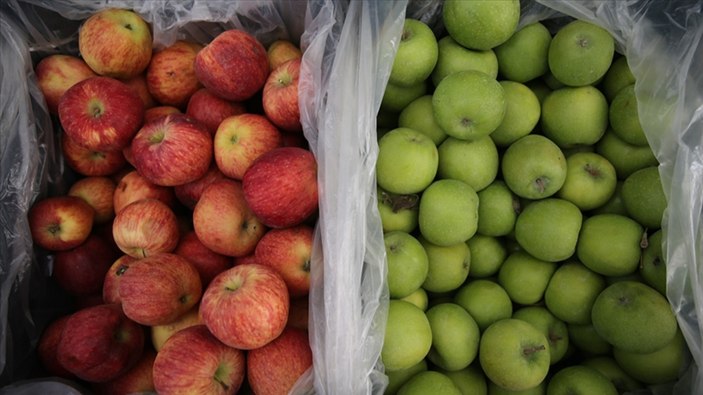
(240, 139)
(233, 65)
(90, 162)
(158, 112)
(139, 86)
(145, 227)
(138, 379)
(161, 333)
(115, 43)
(47, 346)
(207, 262)
(211, 109)
(89, 300)
(280, 96)
(281, 186)
(274, 368)
(194, 362)
(133, 187)
(100, 343)
(60, 223)
(299, 312)
(56, 73)
(81, 270)
(171, 76)
(98, 192)
(246, 306)
(101, 113)
(189, 193)
(224, 222)
(245, 259)
(281, 51)
(156, 290)
(295, 140)
(172, 150)
(288, 250)
(111, 283)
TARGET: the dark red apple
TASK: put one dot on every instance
(274, 368)
(207, 262)
(138, 379)
(111, 283)
(47, 346)
(189, 193)
(211, 109)
(89, 162)
(81, 270)
(158, 112)
(288, 251)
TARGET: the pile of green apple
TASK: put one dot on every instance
(521, 207)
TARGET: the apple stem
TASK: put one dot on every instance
(532, 350)
(644, 241)
(541, 184)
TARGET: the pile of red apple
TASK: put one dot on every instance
(186, 237)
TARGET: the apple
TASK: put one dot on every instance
(448, 212)
(280, 186)
(469, 380)
(396, 378)
(274, 368)
(138, 379)
(585, 339)
(580, 379)
(111, 282)
(486, 301)
(487, 255)
(533, 167)
(133, 187)
(207, 262)
(455, 336)
(81, 270)
(617, 77)
(210, 109)
(523, 57)
(644, 198)
(98, 192)
(161, 333)
(159, 111)
(416, 55)
(453, 57)
(240, 139)
(474, 162)
(280, 96)
(571, 292)
(56, 74)
(609, 368)
(288, 251)
(652, 266)
(157, 289)
(172, 150)
(482, 24)
(407, 263)
(246, 307)
(525, 278)
(448, 266)
(573, 116)
(145, 227)
(47, 346)
(189, 193)
(397, 212)
(170, 76)
(224, 222)
(429, 382)
(397, 97)
(403, 152)
(625, 158)
(548, 229)
(281, 51)
(101, 113)
(407, 338)
(418, 115)
(139, 86)
(498, 209)
(580, 53)
(193, 361)
(91, 162)
(522, 114)
(554, 329)
(60, 223)
(590, 180)
(233, 66)
(115, 43)
(100, 343)
(664, 365)
(609, 244)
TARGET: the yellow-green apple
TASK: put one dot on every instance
(115, 43)
(281, 51)
(98, 192)
(211, 109)
(609, 244)
(416, 55)
(573, 116)
(133, 186)
(486, 301)
(81, 270)
(59, 223)
(652, 266)
(407, 338)
(280, 186)
(590, 180)
(207, 262)
(455, 336)
(280, 96)
(407, 263)
(138, 379)
(625, 158)
(474, 161)
(524, 277)
(246, 307)
(139, 86)
(571, 292)
(159, 111)
(172, 150)
(90, 162)
(644, 198)
(233, 66)
(100, 343)
(158, 289)
(469, 380)
(58, 72)
(608, 367)
(288, 251)
(448, 266)
(161, 333)
(548, 229)
(582, 379)
(170, 75)
(580, 53)
(522, 113)
(498, 208)
(298, 312)
(554, 329)
(101, 113)
(448, 212)
(397, 212)
(429, 382)
(111, 282)
(189, 193)
(617, 77)
(533, 167)
(454, 57)
(224, 222)
(47, 346)
(240, 139)
(396, 378)
(193, 361)
(273, 369)
(418, 115)
(487, 255)
(658, 367)
(523, 57)
(396, 97)
(403, 152)
(481, 24)
(145, 227)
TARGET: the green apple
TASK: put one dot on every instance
(552, 82)
(617, 77)
(407, 161)
(533, 167)
(539, 88)
(609, 244)
(572, 291)
(408, 336)
(626, 158)
(454, 57)
(580, 380)
(553, 329)
(575, 115)
(429, 382)
(658, 367)
(653, 263)
(634, 317)
(590, 180)
(587, 340)
(470, 380)
(487, 255)
(396, 98)
(407, 263)
(416, 56)
(396, 378)
(419, 115)
(580, 53)
(523, 57)
(455, 336)
(419, 298)
(497, 209)
(522, 113)
(481, 24)
(397, 212)
(474, 162)
(644, 198)
(448, 212)
(495, 389)
(548, 229)
(514, 354)
(485, 300)
(624, 117)
(469, 116)
(608, 367)
(448, 266)
(525, 278)
(614, 205)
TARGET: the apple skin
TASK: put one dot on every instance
(224, 222)
(81, 270)
(170, 76)
(246, 306)
(280, 96)
(233, 66)
(98, 192)
(90, 162)
(281, 51)
(189, 193)
(58, 72)
(158, 289)
(133, 186)
(211, 110)
(139, 86)
(281, 186)
(60, 223)
(47, 346)
(161, 333)
(174, 139)
(274, 368)
(145, 227)
(159, 111)
(101, 113)
(100, 343)
(207, 262)
(288, 250)
(193, 361)
(111, 282)
(138, 379)
(115, 43)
